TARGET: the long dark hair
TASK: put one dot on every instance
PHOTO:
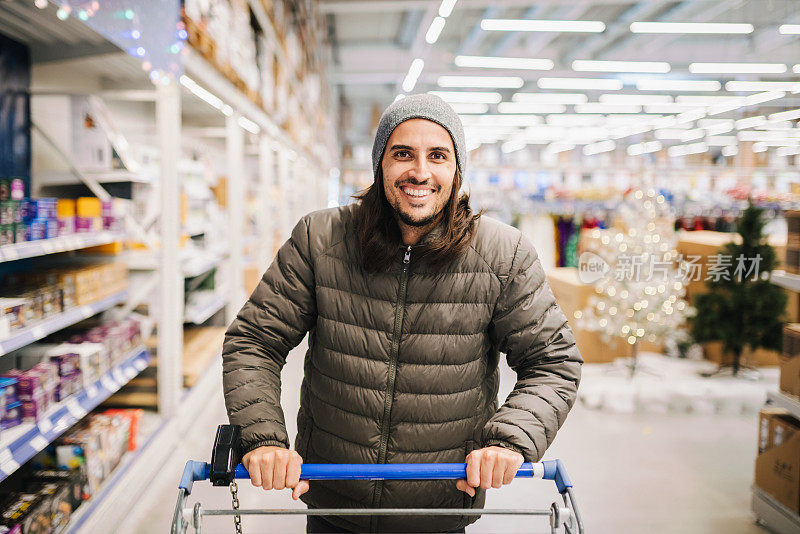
(379, 234)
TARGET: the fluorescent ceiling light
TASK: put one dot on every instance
(555, 148)
(669, 133)
(530, 107)
(446, 7)
(494, 120)
(691, 135)
(667, 108)
(685, 150)
(597, 148)
(737, 68)
(704, 100)
(719, 129)
(721, 140)
(512, 146)
(413, 73)
(755, 135)
(761, 86)
(635, 99)
(678, 85)
(434, 30)
(550, 98)
(469, 107)
(690, 116)
(730, 150)
(788, 151)
(602, 84)
(570, 119)
(777, 126)
(714, 123)
(644, 148)
(249, 125)
(779, 142)
(725, 106)
(789, 29)
(488, 62)
(760, 98)
(398, 97)
(690, 27)
(790, 115)
(524, 25)
(796, 69)
(620, 66)
(596, 107)
(500, 82)
(203, 94)
(467, 96)
(750, 122)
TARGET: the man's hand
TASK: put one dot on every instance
(275, 468)
(490, 467)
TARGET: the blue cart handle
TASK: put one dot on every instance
(547, 470)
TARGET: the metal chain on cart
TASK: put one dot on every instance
(237, 519)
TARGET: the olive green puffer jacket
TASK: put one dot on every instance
(401, 367)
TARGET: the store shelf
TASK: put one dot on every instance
(26, 336)
(55, 178)
(785, 280)
(784, 401)
(20, 444)
(203, 312)
(42, 247)
(772, 514)
(192, 265)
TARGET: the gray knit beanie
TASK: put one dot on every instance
(420, 106)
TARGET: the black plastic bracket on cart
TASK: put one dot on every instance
(225, 456)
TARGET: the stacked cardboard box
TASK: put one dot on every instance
(790, 360)
(792, 263)
(778, 461)
(573, 295)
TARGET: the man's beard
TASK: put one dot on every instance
(414, 223)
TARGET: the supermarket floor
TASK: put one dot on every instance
(632, 473)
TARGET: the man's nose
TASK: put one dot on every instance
(421, 169)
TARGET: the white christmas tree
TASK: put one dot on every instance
(641, 294)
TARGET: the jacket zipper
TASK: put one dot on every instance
(389, 398)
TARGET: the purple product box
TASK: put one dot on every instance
(8, 390)
(33, 409)
(12, 416)
(107, 208)
(112, 224)
(17, 189)
(70, 384)
(51, 228)
(66, 363)
(37, 229)
(66, 226)
(84, 225)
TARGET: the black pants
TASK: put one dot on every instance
(318, 525)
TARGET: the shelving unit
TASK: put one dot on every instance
(786, 280)
(42, 247)
(20, 444)
(26, 336)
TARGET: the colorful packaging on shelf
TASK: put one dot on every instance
(58, 494)
(17, 189)
(34, 408)
(7, 211)
(69, 385)
(74, 480)
(12, 415)
(37, 229)
(14, 312)
(66, 363)
(27, 513)
(20, 232)
(134, 416)
(5, 189)
(8, 390)
(51, 228)
(6, 234)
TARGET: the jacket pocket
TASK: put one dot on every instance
(304, 439)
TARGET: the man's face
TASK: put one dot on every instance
(419, 165)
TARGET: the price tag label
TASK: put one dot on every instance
(11, 253)
(118, 376)
(91, 391)
(7, 462)
(129, 372)
(61, 425)
(39, 332)
(75, 409)
(48, 247)
(87, 312)
(109, 383)
(140, 365)
(39, 443)
(44, 426)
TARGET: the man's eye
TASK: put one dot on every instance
(401, 153)
(438, 154)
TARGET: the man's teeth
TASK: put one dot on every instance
(416, 192)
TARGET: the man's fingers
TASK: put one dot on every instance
(279, 467)
(266, 471)
(487, 466)
(300, 489)
(466, 488)
(498, 472)
(254, 469)
(293, 471)
(474, 469)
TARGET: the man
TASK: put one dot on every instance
(408, 298)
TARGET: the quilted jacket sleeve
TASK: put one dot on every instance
(530, 328)
(273, 321)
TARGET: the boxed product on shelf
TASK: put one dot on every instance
(790, 360)
(27, 513)
(778, 462)
(67, 214)
(13, 315)
(73, 480)
(12, 415)
(89, 215)
(12, 189)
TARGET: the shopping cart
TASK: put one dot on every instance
(225, 468)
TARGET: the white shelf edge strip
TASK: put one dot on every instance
(786, 280)
(202, 313)
(28, 335)
(64, 415)
(43, 247)
(785, 402)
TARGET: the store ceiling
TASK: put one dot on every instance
(374, 44)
